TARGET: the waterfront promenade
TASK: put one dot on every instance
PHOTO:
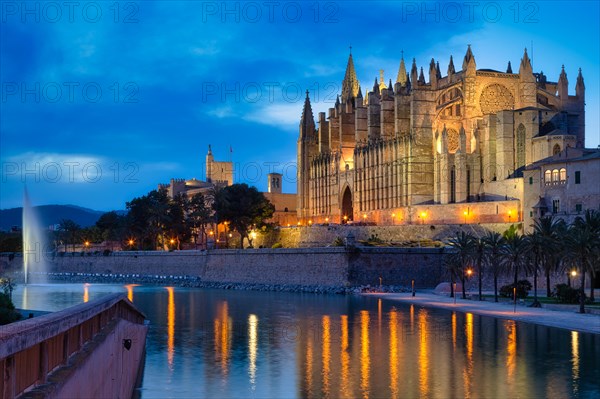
(566, 318)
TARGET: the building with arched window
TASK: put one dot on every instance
(563, 185)
(416, 147)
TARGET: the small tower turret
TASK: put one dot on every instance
(563, 85)
(414, 74)
(580, 86)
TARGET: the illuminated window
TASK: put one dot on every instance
(555, 175)
(563, 175)
(548, 177)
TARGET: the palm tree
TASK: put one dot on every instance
(513, 253)
(582, 244)
(478, 255)
(535, 246)
(550, 232)
(462, 256)
(494, 243)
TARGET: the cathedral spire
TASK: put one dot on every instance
(469, 58)
(525, 64)
(401, 78)
(414, 73)
(209, 150)
(359, 95)
(307, 121)
(509, 68)
(421, 77)
(390, 86)
(438, 74)
(580, 86)
(563, 84)
(451, 70)
(350, 83)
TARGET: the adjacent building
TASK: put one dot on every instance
(563, 185)
(221, 174)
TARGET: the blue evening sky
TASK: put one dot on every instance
(103, 100)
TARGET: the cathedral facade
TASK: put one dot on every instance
(450, 149)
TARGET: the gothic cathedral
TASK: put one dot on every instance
(434, 151)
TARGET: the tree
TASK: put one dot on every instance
(463, 245)
(582, 244)
(111, 226)
(536, 251)
(243, 207)
(513, 253)
(550, 232)
(199, 215)
(147, 218)
(176, 226)
(479, 247)
(70, 232)
(494, 244)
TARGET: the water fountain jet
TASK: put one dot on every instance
(33, 240)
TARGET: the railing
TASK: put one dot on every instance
(31, 349)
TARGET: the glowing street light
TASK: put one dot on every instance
(364, 216)
(466, 213)
(423, 215)
(326, 220)
(310, 222)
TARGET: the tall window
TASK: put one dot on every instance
(520, 145)
(555, 206)
(452, 185)
(555, 176)
(563, 175)
(548, 177)
(577, 177)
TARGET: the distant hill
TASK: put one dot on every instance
(50, 215)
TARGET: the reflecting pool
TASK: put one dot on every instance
(215, 343)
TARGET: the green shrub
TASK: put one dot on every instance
(106, 252)
(277, 245)
(566, 294)
(523, 288)
(8, 314)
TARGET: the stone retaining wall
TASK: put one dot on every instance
(325, 267)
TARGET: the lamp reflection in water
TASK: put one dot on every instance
(575, 361)
(468, 370)
(394, 353)
(454, 330)
(252, 348)
(309, 365)
(365, 360)
(423, 355)
(345, 358)
(170, 327)
(223, 326)
(86, 292)
(129, 288)
(511, 350)
(326, 354)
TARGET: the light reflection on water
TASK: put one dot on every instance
(211, 343)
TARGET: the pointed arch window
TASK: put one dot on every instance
(555, 149)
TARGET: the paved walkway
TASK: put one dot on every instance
(589, 323)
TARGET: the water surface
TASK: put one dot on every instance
(216, 343)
